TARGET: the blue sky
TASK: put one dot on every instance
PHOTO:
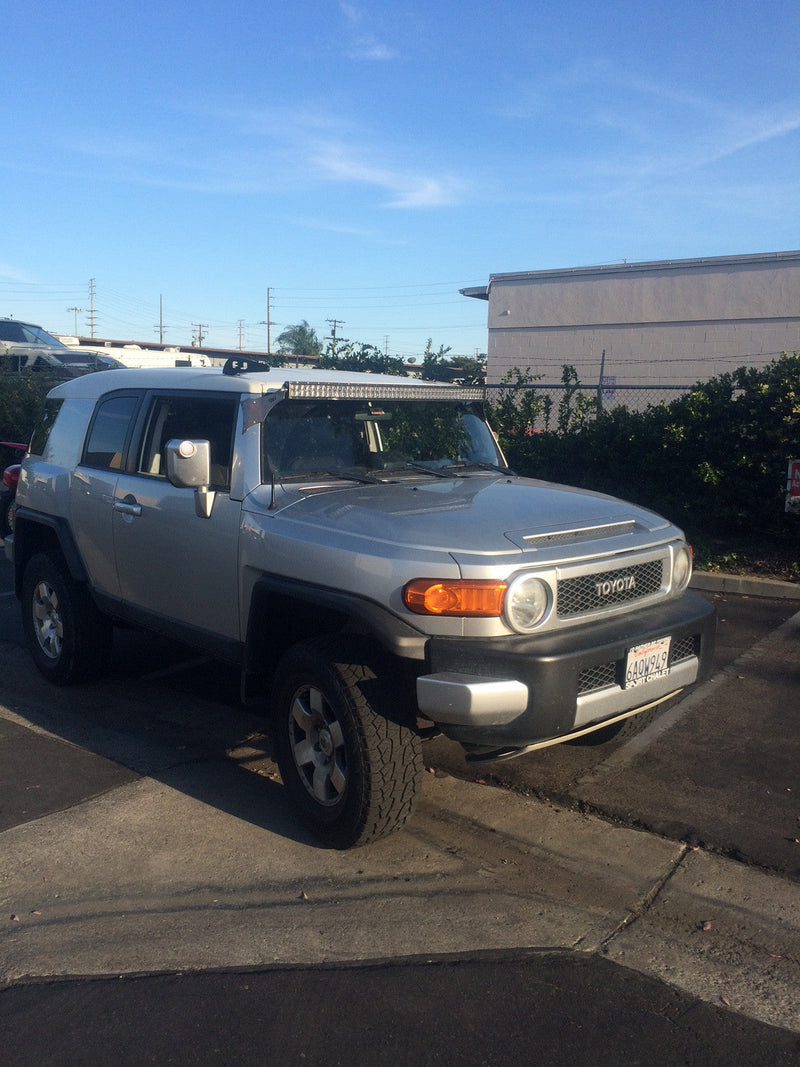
(364, 161)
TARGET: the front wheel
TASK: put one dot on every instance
(348, 753)
(67, 636)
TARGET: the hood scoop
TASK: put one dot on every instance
(581, 534)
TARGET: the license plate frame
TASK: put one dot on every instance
(647, 662)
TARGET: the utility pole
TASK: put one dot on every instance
(241, 325)
(160, 326)
(334, 323)
(197, 338)
(600, 382)
(76, 310)
(91, 307)
(268, 323)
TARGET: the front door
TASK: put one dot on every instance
(170, 562)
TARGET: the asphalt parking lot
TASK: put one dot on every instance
(634, 903)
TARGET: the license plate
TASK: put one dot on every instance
(647, 662)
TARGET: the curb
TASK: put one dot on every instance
(745, 585)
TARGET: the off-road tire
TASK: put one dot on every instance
(69, 639)
(348, 752)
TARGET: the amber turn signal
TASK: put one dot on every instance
(430, 596)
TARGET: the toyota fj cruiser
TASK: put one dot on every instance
(356, 545)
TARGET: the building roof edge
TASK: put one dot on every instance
(632, 268)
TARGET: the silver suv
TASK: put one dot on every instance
(358, 547)
(24, 346)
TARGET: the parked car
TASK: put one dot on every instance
(9, 490)
(25, 347)
(357, 546)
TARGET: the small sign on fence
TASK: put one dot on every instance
(793, 487)
(608, 386)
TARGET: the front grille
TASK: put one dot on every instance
(598, 677)
(597, 592)
(681, 651)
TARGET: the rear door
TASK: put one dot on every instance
(94, 484)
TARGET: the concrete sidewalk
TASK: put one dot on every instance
(157, 876)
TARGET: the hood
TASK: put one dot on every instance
(478, 515)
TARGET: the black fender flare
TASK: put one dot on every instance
(27, 540)
(285, 610)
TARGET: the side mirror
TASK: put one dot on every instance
(189, 467)
(188, 463)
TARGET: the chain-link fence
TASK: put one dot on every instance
(634, 397)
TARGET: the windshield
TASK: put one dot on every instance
(22, 333)
(329, 436)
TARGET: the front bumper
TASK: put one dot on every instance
(517, 691)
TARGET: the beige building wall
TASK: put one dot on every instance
(661, 323)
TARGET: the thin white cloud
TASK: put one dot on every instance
(371, 236)
(371, 50)
(351, 13)
(756, 130)
(253, 151)
(713, 130)
(637, 136)
(323, 146)
(408, 189)
(127, 149)
(364, 45)
(703, 145)
(13, 274)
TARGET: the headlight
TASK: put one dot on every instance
(527, 603)
(681, 567)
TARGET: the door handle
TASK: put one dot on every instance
(128, 506)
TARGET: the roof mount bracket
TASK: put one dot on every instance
(244, 365)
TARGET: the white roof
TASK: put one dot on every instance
(91, 386)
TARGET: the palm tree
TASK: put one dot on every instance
(299, 340)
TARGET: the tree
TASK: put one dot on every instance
(461, 369)
(433, 368)
(358, 356)
(21, 401)
(300, 340)
(469, 371)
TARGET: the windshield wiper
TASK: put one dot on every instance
(437, 472)
(476, 465)
(356, 476)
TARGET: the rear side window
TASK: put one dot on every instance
(105, 445)
(41, 432)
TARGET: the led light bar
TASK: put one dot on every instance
(359, 391)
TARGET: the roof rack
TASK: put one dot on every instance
(244, 365)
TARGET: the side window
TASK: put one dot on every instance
(200, 418)
(105, 445)
(41, 432)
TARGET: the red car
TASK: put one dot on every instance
(9, 490)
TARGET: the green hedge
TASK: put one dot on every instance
(21, 401)
(714, 460)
